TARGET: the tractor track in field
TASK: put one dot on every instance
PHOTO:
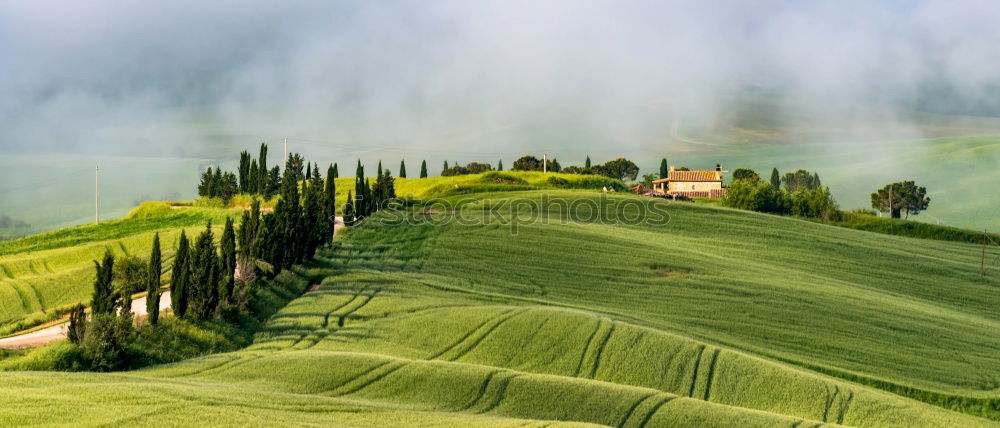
(711, 373)
(502, 386)
(21, 295)
(476, 341)
(482, 390)
(843, 407)
(656, 408)
(694, 373)
(238, 361)
(470, 333)
(600, 350)
(394, 367)
(631, 409)
(586, 347)
(33, 268)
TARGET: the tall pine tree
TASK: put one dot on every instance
(664, 168)
(586, 164)
(105, 297)
(204, 276)
(262, 183)
(500, 165)
(775, 178)
(330, 203)
(180, 278)
(423, 169)
(153, 282)
(402, 169)
(228, 260)
(244, 172)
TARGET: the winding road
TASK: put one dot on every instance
(58, 332)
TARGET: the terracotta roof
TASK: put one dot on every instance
(703, 175)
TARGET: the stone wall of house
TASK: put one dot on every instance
(696, 186)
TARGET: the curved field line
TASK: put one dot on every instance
(600, 350)
(228, 359)
(628, 414)
(33, 268)
(711, 373)
(326, 319)
(124, 250)
(470, 333)
(477, 341)
(232, 363)
(830, 399)
(501, 390)
(48, 268)
(38, 294)
(6, 271)
(482, 390)
(844, 406)
(653, 411)
(694, 374)
(377, 378)
(21, 295)
(583, 355)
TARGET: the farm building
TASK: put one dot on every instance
(691, 184)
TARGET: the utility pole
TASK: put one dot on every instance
(545, 162)
(891, 212)
(97, 195)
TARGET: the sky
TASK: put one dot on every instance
(471, 77)
(474, 80)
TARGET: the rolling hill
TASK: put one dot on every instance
(716, 318)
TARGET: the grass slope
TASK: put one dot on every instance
(42, 273)
(678, 325)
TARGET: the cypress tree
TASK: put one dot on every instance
(216, 189)
(262, 185)
(402, 169)
(336, 174)
(77, 324)
(445, 168)
(253, 187)
(500, 165)
(288, 212)
(664, 168)
(228, 259)
(105, 296)
(244, 172)
(330, 202)
(586, 164)
(423, 169)
(204, 276)
(309, 207)
(153, 285)
(349, 209)
(180, 278)
(775, 178)
(205, 186)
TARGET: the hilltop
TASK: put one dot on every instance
(713, 317)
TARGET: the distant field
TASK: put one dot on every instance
(55, 269)
(717, 318)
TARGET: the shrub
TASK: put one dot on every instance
(498, 177)
(757, 196)
(106, 342)
(131, 274)
(558, 182)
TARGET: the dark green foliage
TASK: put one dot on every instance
(553, 165)
(180, 288)
(336, 174)
(77, 324)
(664, 168)
(227, 260)
(402, 169)
(621, 169)
(153, 282)
(745, 174)
(106, 341)
(445, 167)
(800, 180)
(906, 197)
(471, 168)
(312, 215)
(775, 178)
(295, 163)
(527, 163)
(105, 297)
(131, 274)
(288, 213)
(216, 184)
(500, 165)
(349, 209)
(586, 164)
(330, 204)
(757, 196)
(815, 203)
(262, 179)
(204, 284)
(244, 171)
(273, 182)
(423, 169)
(647, 180)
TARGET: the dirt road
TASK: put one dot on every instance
(57, 332)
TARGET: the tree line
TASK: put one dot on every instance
(798, 193)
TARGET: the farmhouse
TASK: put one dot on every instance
(691, 184)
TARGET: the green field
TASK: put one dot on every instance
(717, 318)
(41, 274)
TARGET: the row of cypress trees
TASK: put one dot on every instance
(367, 197)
